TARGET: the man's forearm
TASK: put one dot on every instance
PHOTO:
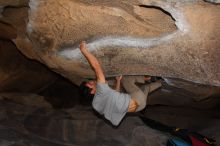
(93, 62)
(118, 83)
(91, 59)
(118, 86)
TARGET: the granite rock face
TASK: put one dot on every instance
(26, 99)
(162, 38)
(213, 1)
(14, 3)
(19, 74)
(26, 125)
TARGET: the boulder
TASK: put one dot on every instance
(20, 74)
(26, 99)
(162, 38)
(15, 3)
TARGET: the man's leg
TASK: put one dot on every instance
(152, 87)
(136, 93)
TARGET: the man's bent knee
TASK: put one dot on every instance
(132, 106)
(141, 106)
(135, 107)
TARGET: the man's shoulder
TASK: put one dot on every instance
(101, 87)
(100, 84)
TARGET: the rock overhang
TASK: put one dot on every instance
(128, 42)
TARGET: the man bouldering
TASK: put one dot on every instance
(111, 103)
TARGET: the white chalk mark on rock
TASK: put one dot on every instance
(131, 42)
(177, 14)
(113, 42)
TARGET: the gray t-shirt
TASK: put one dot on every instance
(110, 103)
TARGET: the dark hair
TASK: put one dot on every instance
(85, 92)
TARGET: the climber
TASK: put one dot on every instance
(111, 103)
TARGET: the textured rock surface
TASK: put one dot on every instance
(26, 99)
(181, 93)
(201, 121)
(77, 127)
(213, 1)
(17, 17)
(164, 38)
(13, 3)
(128, 37)
(28, 125)
(19, 74)
(7, 31)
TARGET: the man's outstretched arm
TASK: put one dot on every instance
(93, 62)
(118, 83)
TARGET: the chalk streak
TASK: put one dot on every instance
(116, 42)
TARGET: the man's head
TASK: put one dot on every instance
(92, 86)
(88, 89)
